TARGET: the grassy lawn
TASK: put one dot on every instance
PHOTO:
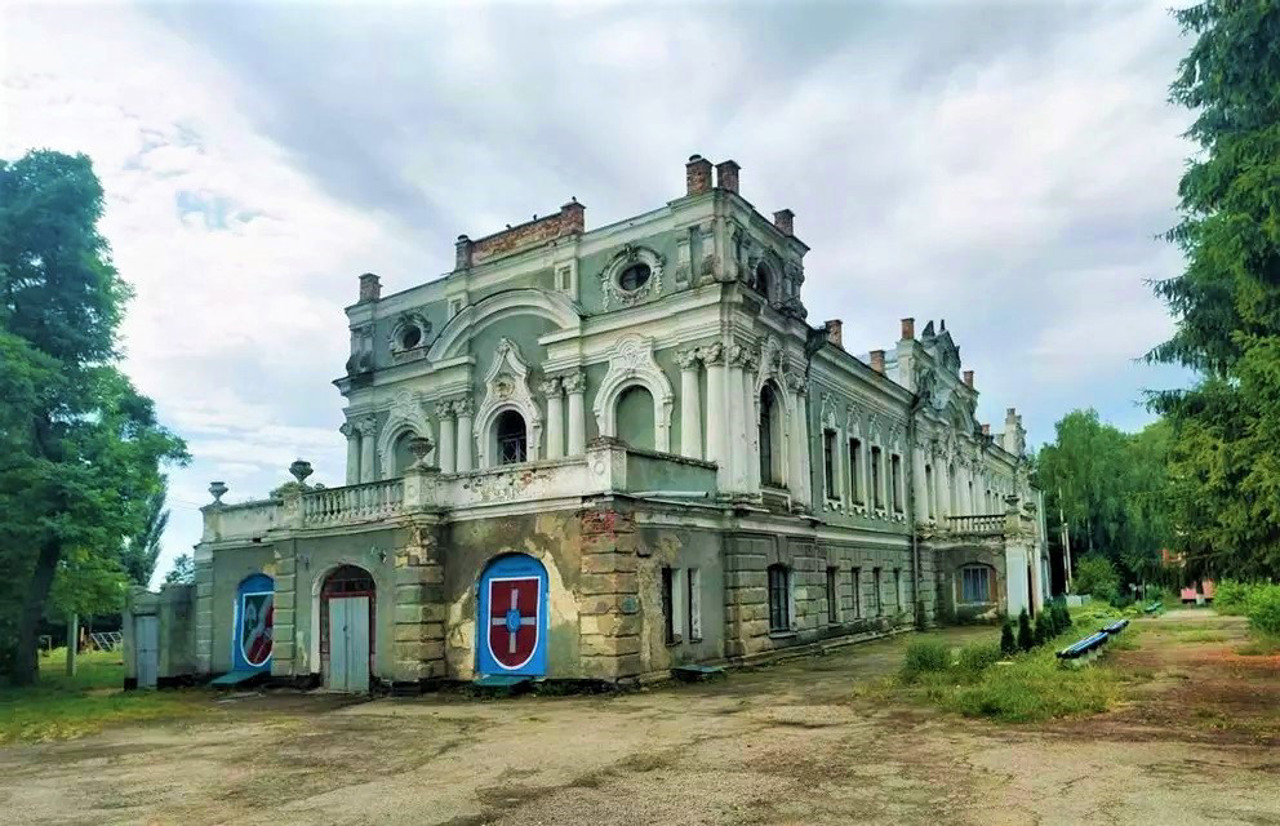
(1028, 687)
(60, 707)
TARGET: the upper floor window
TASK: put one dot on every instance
(770, 422)
(764, 279)
(634, 277)
(929, 489)
(829, 462)
(876, 478)
(855, 464)
(895, 479)
(512, 441)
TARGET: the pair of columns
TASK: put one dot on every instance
(361, 436)
(555, 389)
(454, 451)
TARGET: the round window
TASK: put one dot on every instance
(634, 277)
(411, 337)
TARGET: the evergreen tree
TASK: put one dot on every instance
(1008, 646)
(80, 449)
(183, 571)
(1225, 478)
(143, 548)
(1026, 638)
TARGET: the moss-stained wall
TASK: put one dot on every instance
(230, 567)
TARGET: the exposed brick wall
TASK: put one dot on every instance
(697, 175)
(570, 220)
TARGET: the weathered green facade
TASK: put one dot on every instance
(641, 416)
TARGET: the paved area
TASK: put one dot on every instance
(793, 743)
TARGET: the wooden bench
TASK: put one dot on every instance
(1085, 650)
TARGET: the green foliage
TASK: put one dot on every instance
(1061, 616)
(924, 656)
(141, 551)
(1231, 597)
(60, 707)
(1224, 459)
(1097, 576)
(1109, 486)
(1264, 609)
(1008, 645)
(183, 571)
(80, 449)
(979, 656)
(1026, 637)
(1032, 688)
(1043, 628)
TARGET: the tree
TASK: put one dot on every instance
(1026, 638)
(1224, 463)
(82, 449)
(141, 550)
(1008, 646)
(1097, 577)
(183, 571)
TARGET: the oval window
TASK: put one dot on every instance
(411, 337)
(634, 277)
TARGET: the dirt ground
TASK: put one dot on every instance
(785, 744)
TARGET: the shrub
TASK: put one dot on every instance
(978, 656)
(1043, 629)
(1034, 688)
(1231, 597)
(1264, 609)
(1064, 616)
(924, 656)
(1008, 646)
(1026, 639)
(1096, 576)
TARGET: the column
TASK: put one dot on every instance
(555, 418)
(575, 385)
(797, 437)
(751, 412)
(368, 431)
(739, 450)
(465, 439)
(690, 405)
(713, 358)
(446, 453)
(349, 430)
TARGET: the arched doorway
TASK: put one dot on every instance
(511, 626)
(635, 424)
(254, 620)
(347, 612)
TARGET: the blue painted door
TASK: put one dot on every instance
(254, 618)
(511, 622)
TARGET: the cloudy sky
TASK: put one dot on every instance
(1002, 165)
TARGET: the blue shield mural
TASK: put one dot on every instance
(511, 618)
(252, 631)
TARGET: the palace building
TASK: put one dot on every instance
(600, 454)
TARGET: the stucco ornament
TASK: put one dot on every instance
(611, 287)
(631, 363)
(410, 336)
(507, 388)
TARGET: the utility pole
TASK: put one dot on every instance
(1066, 541)
(73, 642)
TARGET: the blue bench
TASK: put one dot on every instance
(1085, 649)
(1153, 608)
(1116, 627)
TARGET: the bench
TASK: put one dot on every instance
(1116, 627)
(1084, 650)
(1153, 608)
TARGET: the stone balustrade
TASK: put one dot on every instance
(353, 503)
(981, 524)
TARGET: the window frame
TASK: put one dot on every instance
(833, 595)
(829, 463)
(779, 597)
(987, 579)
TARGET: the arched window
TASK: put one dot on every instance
(763, 279)
(403, 457)
(511, 438)
(770, 424)
(779, 598)
(635, 424)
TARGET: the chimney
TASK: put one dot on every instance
(370, 288)
(462, 260)
(877, 361)
(727, 175)
(835, 332)
(573, 217)
(986, 430)
(697, 175)
(908, 329)
(968, 379)
(785, 221)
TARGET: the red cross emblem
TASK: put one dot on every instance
(513, 620)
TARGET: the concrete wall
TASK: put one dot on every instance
(174, 607)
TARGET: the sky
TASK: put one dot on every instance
(1006, 166)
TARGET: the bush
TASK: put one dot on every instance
(1096, 576)
(1026, 638)
(978, 656)
(1064, 616)
(924, 656)
(1008, 645)
(1264, 609)
(1231, 597)
(1034, 688)
(1043, 628)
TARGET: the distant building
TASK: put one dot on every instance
(599, 454)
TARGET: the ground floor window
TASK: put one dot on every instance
(779, 598)
(898, 598)
(975, 584)
(876, 595)
(833, 599)
(857, 593)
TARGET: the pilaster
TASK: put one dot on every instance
(418, 624)
(609, 617)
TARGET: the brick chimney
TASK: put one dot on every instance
(986, 430)
(370, 288)
(835, 332)
(968, 379)
(697, 175)
(462, 259)
(727, 175)
(877, 361)
(908, 329)
(785, 221)
(573, 217)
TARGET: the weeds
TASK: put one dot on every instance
(923, 657)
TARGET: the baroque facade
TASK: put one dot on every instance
(601, 454)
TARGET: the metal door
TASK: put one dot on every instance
(146, 647)
(348, 644)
